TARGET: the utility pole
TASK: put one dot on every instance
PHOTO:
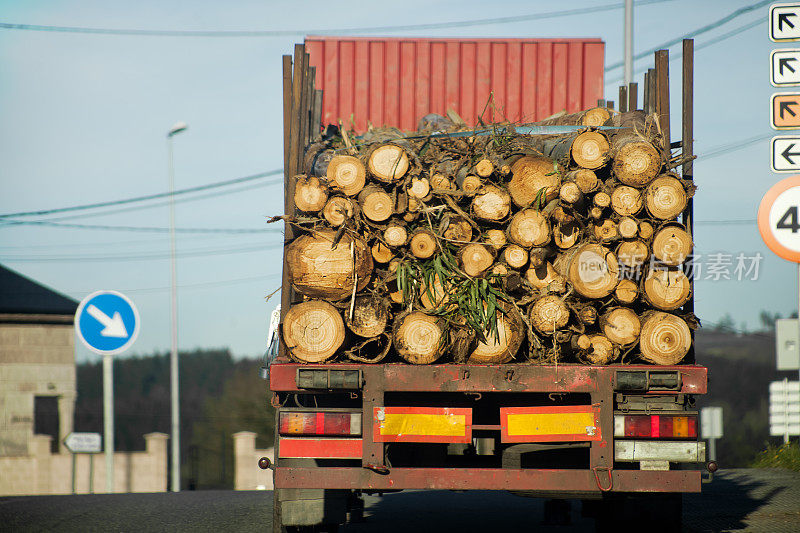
(628, 42)
(175, 396)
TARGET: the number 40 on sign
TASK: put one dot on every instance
(779, 219)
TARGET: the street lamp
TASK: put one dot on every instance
(176, 448)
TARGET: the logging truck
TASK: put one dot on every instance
(486, 280)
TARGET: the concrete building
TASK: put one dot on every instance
(37, 364)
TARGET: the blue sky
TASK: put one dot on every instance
(84, 119)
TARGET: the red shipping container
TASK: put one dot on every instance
(396, 81)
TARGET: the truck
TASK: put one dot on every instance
(623, 438)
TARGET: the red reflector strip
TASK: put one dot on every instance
(295, 448)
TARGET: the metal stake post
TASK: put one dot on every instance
(628, 41)
(108, 419)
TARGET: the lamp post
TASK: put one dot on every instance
(174, 392)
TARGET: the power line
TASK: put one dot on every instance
(194, 285)
(141, 257)
(142, 229)
(286, 33)
(708, 27)
(188, 190)
(710, 42)
(732, 147)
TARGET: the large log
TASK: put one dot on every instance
(592, 269)
(636, 158)
(672, 244)
(388, 163)
(585, 179)
(665, 197)
(594, 117)
(319, 271)
(549, 313)
(370, 316)
(588, 149)
(347, 174)
(313, 331)
(528, 228)
(419, 338)
(666, 288)
(310, 195)
(620, 325)
(503, 346)
(534, 177)
(626, 201)
(600, 351)
(665, 339)
(491, 203)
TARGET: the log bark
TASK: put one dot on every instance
(666, 288)
(319, 271)
(419, 338)
(491, 203)
(338, 209)
(423, 244)
(528, 228)
(310, 195)
(626, 201)
(665, 197)
(592, 269)
(500, 348)
(532, 174)
(621, 326)
(549, 313)
(313, 331)
(672, 244)
(370, 316)
(475, 259)
(376, 204)
(665, 339)
(388, 163)
(347, 174)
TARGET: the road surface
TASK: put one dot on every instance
(737, 500)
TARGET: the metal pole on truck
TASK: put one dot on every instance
(176, 450)
(628, 42)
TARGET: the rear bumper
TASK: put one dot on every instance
(674, 452)
(564, 481)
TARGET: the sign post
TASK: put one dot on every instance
(107, 323)
(88, 443)
(784, 409)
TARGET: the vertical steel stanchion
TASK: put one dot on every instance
(108, 419)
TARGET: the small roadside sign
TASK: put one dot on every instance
(786, 154)
(711, 423)
(784, 408)
(107, 322)
(784, 21)
(785, 67)
(785, 111)
(84, 443)
(787, 344)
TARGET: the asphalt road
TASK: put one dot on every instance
(737, 500)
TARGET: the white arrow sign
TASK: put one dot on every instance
(114, 327)
(785, 67)
(786, 154)
(784, 22)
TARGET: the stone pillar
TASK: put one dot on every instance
(156, 448)
(66, 414)
(244, 462)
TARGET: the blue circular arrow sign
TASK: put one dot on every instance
(107, 322)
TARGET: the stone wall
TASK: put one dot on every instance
(42, 472)
(246, 473)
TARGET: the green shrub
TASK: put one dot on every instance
(785, 456)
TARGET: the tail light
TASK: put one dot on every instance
(655, 426)
(320, 423)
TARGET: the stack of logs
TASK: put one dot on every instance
(488, 246)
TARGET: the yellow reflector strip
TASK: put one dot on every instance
(680, 426)
(524, 424)
(423, 424)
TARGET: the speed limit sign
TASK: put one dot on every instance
(779, 219)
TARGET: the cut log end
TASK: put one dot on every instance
(347, 174)
(419, 338)
(621, 326)
(529, 227)
(549, 314)
(531, 175)
(484, 168)
(665, 339)
(495, 238)
(370, 316)
(672, 245)
(626, 201)
(337, 210)
(592, 270)
(601, 351)
(502, 347)
(313, 331)
(423, 244)
(515, 256)
(667, 289)
(491, 203)
(590, 150)
(665, 198)
(627, 291)
(636, 163)
(475, 259)
(388, 163)
(628, 227)
(376, 204)
(310, 195)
